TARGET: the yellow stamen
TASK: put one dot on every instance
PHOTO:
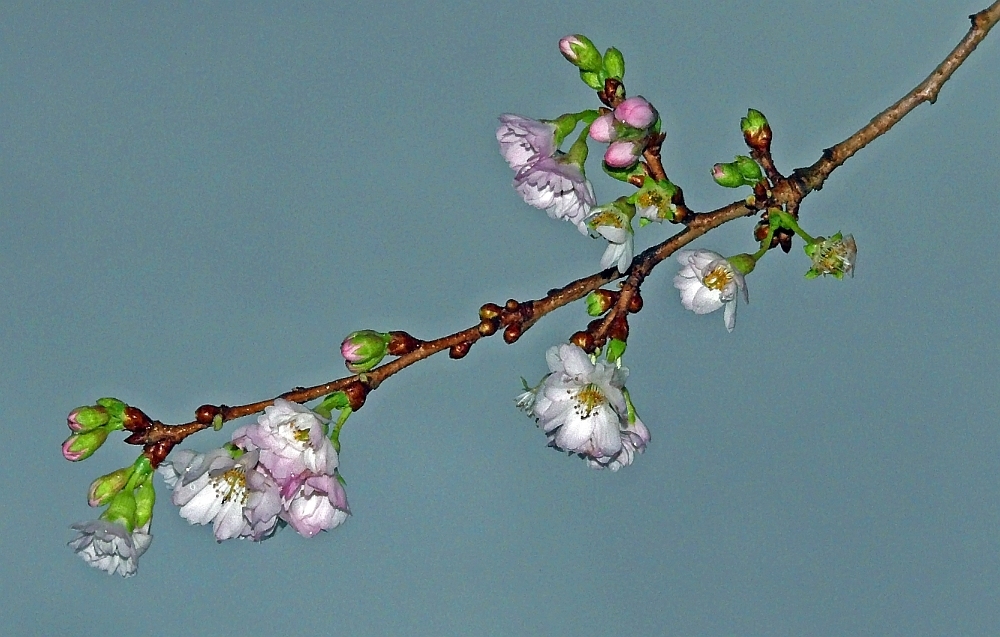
(718, 278)
(589, 398)
(232, 485)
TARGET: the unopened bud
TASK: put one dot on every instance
(636, 112)
(107, 486)
(727, 175)
(87, 417)
(82, 445)
(581, 52)
(749, 170)
(363, 350)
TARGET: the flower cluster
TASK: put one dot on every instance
(583, 409)
(280, 470)
(625, 130)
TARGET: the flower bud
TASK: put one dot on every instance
(636, 112)
(581, 52)
(107, 486)
(115, 407)
(749, 170)
(603, 129)
(614, 63)
(756, 130)
(82, 445)
(623, 154)
(727, 175)
(363, 350)
(600, 301)
(87, 417)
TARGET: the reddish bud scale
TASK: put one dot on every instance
(206, 413)
(583, 340)
(489, 311)
(356, 392)
(619, 328)
(136, 438)
(136, 420)
(760, 231)
(459, 350)
(401, 343)
(635, 303)
(157, 452)
(512, 333)
(512, 305)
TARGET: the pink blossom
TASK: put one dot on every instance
(560, 188)
(291, 438)
(524, 141)
(314, 503)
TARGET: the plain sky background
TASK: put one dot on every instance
(197, 202)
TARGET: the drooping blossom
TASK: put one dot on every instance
(582, 409)
(314, 503)
(110, 546)
(635, 437)
(559, 187)
(524, 141)
(708, 281)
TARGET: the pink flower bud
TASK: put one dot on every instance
(636, 112)
(603, 129)
(623, 154)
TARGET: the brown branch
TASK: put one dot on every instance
(518, 317)
(813, 177)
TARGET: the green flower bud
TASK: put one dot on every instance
(614, 63)
(107, 486)
(727, 175)
(87, 417)
(82, 445)
(364, 350)
(600, 301)
(581, 52)
(749, 170)
(753, 123)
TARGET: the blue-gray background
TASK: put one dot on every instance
(197, 203)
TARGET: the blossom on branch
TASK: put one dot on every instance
(614, 224)
(835, 256)
(212, 488)
(110, 546)
(559, 187)
(708, 281)
(524, 141)
(582, 409)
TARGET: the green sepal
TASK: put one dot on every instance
(614, 350)
(145, 498)
(744, 262)
(334, 402)
(614, 63)
(593, 80)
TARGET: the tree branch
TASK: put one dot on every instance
(517, 317)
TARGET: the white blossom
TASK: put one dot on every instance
(524, 141)
(707, 281)
(559, 188)
(109, 546)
